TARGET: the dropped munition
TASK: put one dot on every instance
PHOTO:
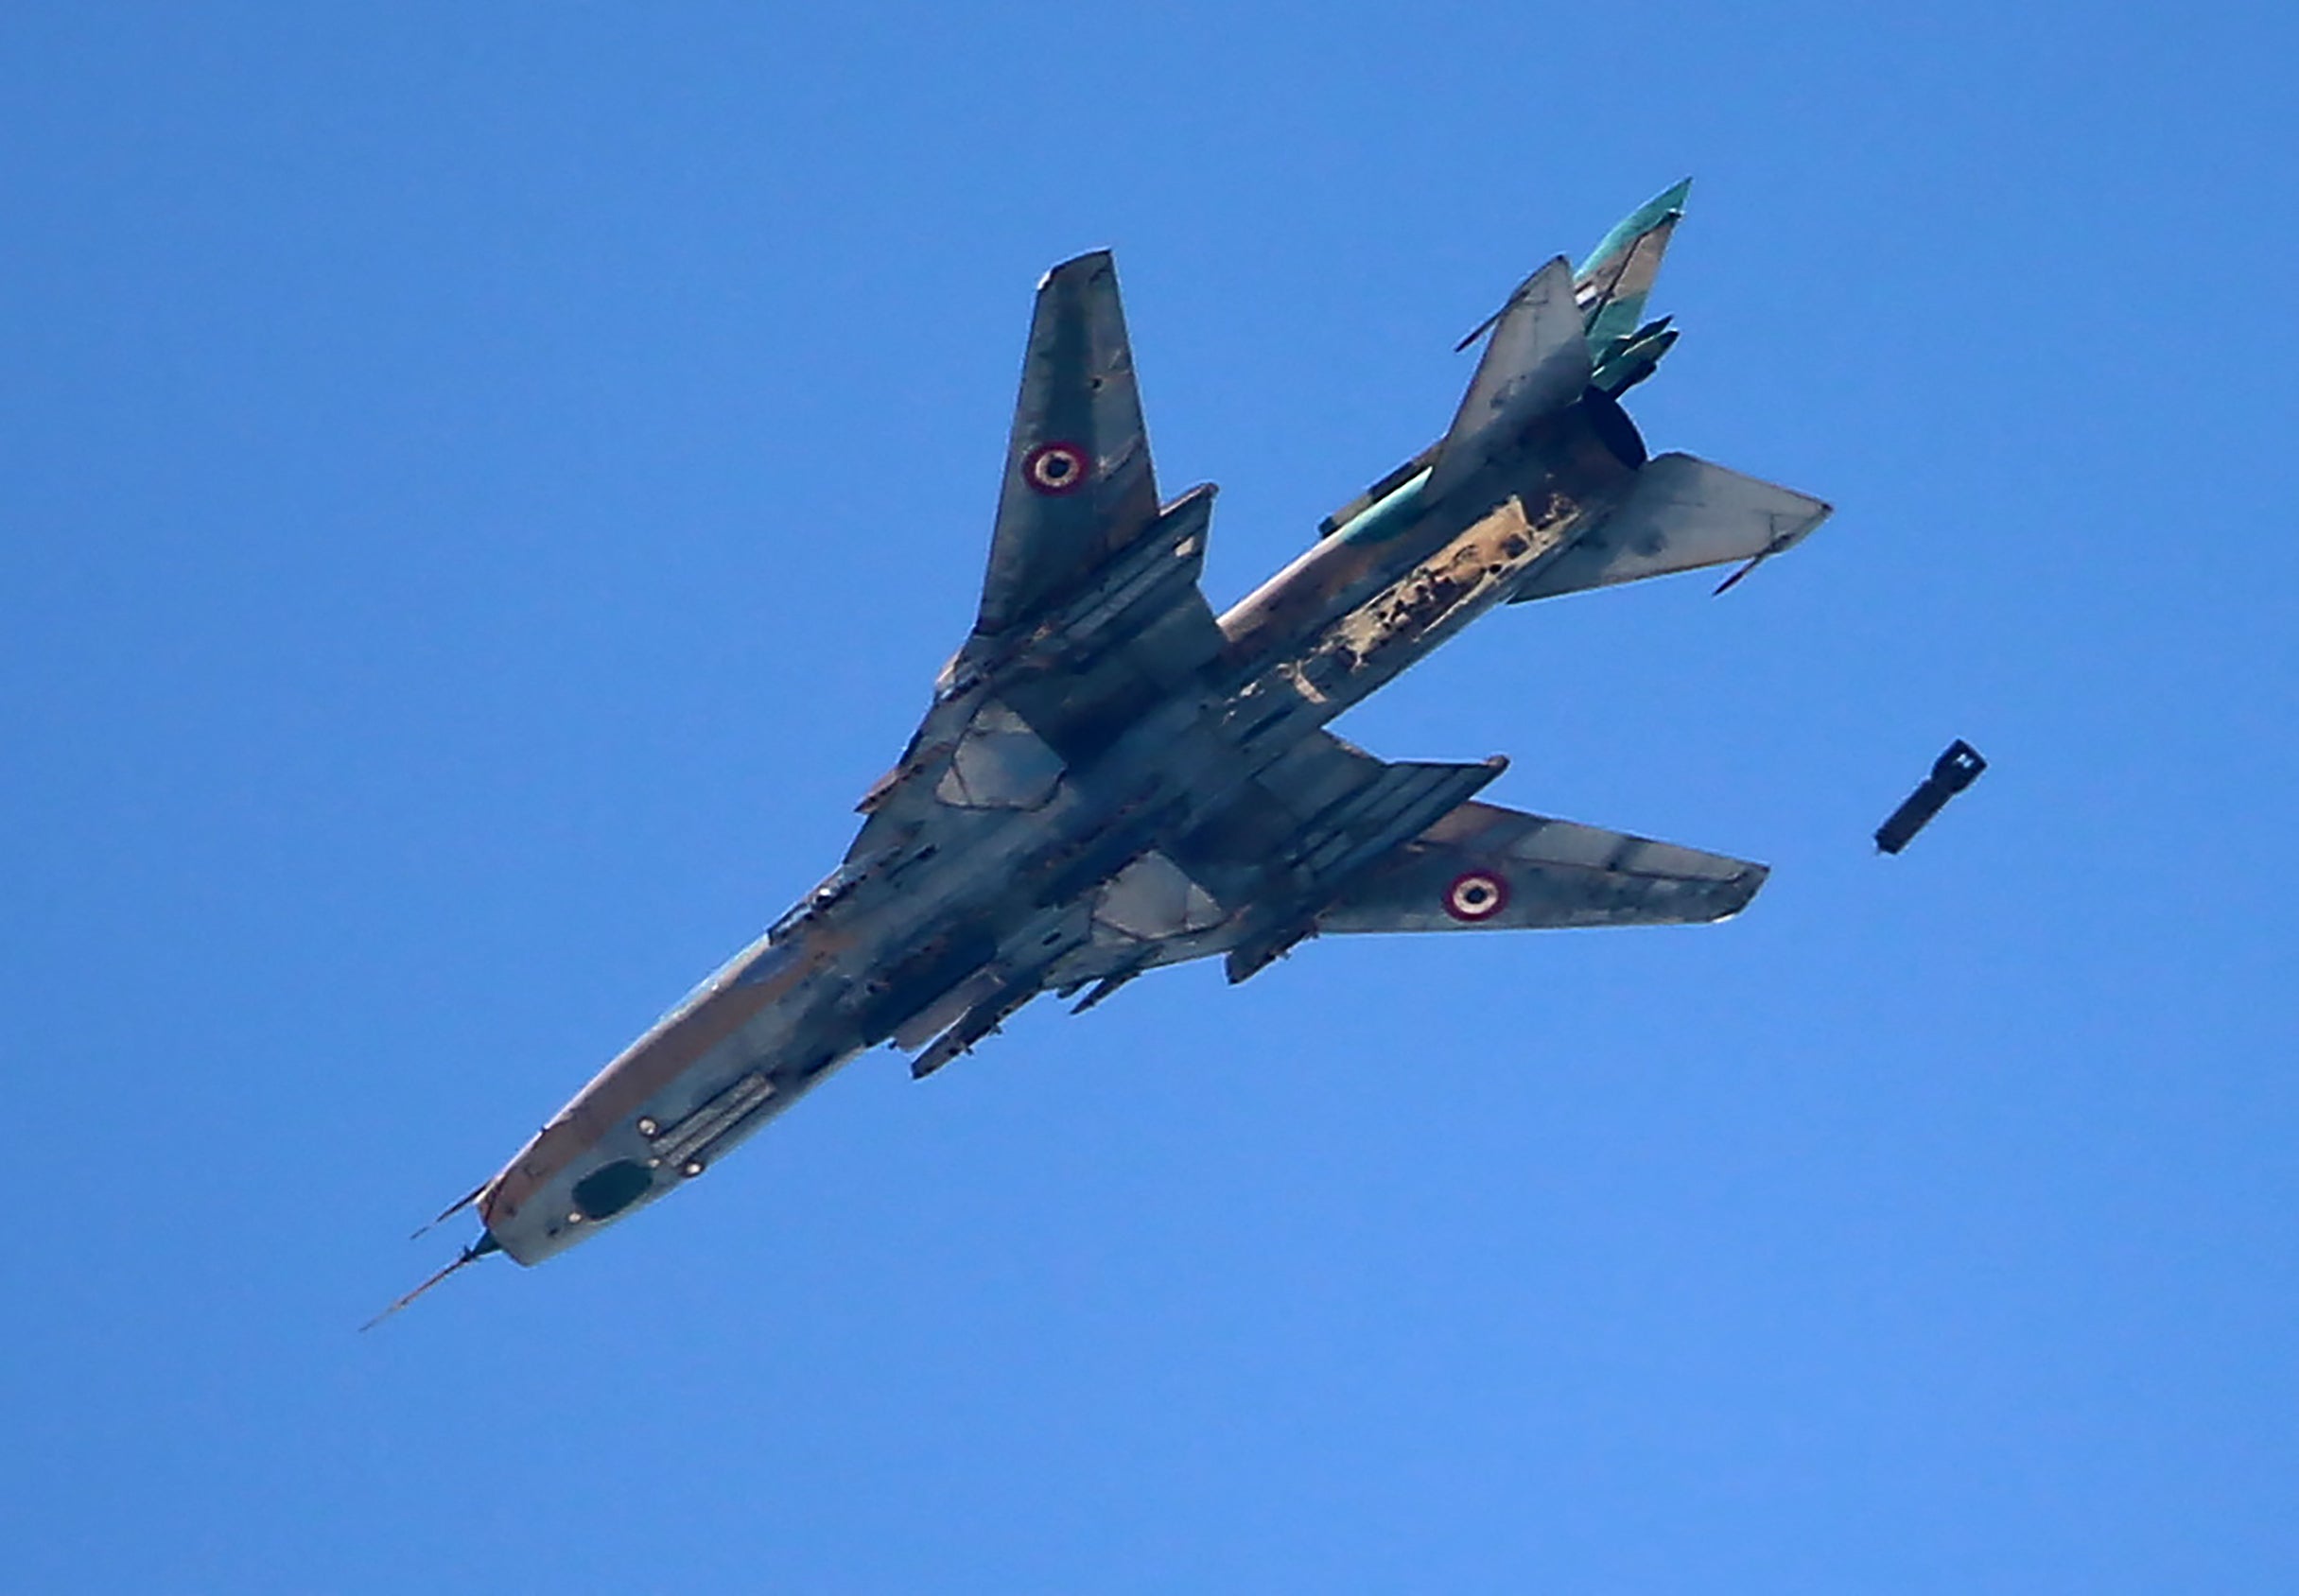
(1953, 770)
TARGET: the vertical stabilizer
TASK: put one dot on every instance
(1614, 282)
(1535, 362)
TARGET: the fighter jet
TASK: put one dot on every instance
(1112, 778)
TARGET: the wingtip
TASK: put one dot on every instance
(1090, 264)
(1741, 891)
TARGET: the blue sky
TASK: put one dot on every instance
(483, 489)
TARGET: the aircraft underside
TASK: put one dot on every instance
(1111, 778)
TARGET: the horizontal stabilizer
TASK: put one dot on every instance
(1682, 514)
(1485, 867)
(1536, 361)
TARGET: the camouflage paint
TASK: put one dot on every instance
(1109, 778)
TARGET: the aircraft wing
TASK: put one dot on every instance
(1247, 878)
(1090, 607)
(1078, 487)
(1332, 840)
(1485, 867)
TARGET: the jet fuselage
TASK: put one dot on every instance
(883, 942)
(1111, 778)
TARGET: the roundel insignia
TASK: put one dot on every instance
(1479, 895)
(1055, 468)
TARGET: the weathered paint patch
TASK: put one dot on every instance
(1457, 579)
(999, 764)
(1152, 897)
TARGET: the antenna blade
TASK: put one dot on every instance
(456, 1208)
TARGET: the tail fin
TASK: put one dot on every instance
(1609, 293)
(1615, 280)
(1536, 360)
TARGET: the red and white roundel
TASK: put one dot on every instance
(1055, 468)
(1479, 895)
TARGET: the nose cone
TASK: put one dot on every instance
(571, 1206)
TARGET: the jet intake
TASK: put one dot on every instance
(1614, 429)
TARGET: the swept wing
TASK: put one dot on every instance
(1078, 485)
(1485, 867)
